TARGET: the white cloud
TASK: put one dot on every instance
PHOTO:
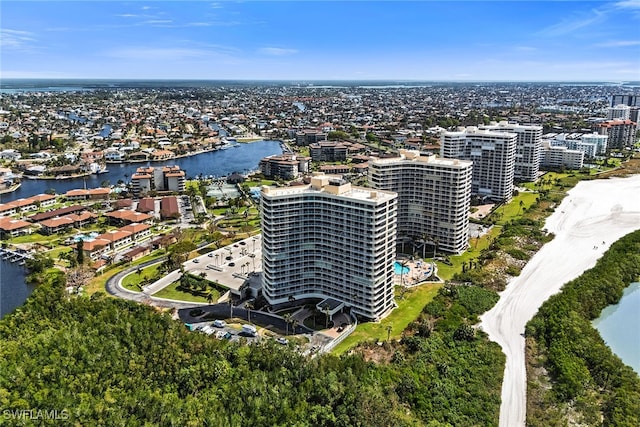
(15, 39)
(156, 22)
(628, 4)
(277, 51)
(619, 43)
(216, 6)
(571, 24)
(151, 54)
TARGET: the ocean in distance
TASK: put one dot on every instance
(618, 326)
(11, 86)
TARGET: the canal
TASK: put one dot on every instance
(241, 158)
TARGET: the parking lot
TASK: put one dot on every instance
(232, 265)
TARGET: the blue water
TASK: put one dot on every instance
(106, 130)
(243, 159)
(618, 326)
(13, 290)
(399, 269)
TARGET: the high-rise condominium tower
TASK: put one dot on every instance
(434, 197)
(330, 240)
(493, 155)
(528, 147)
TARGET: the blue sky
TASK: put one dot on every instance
(334, 40)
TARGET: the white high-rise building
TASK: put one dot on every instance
(331, 241)
(620, 111)
(600, 142)
(493, 155)
(528, 146)
(434, 197)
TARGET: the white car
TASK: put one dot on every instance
(220, 334)
(219, 323)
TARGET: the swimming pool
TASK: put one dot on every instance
(399, 269)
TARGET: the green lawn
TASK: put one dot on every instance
(35, 238)
(446, 272)
(409, 307)
(132, 280)
(254, 183)
(171, 292)
(513, 209)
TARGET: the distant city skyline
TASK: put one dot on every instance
(333, 40)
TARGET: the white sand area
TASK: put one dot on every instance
(591, 217)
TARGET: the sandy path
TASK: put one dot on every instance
(593, 212)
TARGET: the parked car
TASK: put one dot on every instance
(196, 260)
(282, 340)
(250, 330)
(219, 323)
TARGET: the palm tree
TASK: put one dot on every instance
(294, 324)
(230, 302)
(287, 319)
(325, 309)
(389, 328)
(210, 296)
(249, 307)
(403, 267)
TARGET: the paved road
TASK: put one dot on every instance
(593, 216)
(113, 287)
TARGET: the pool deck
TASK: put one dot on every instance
(418, 272)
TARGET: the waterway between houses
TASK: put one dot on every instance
(242, 158)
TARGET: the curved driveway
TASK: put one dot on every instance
(113, 287)
(593, 215)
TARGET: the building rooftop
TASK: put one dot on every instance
(335, 185)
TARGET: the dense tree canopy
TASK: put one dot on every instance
(583, 369)
(113, 362)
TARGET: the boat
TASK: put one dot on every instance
(11, 188)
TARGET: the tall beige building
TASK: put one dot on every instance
(434, 197)
(330, 241)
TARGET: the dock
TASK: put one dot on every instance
(19, 256)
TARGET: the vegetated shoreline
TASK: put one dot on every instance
(592, 213)
(573, 376)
